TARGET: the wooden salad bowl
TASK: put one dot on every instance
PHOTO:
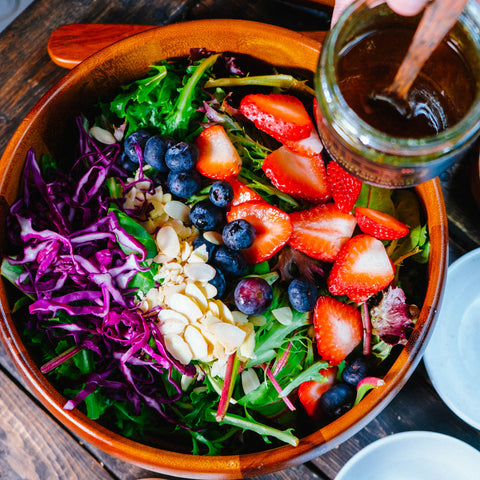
(49, 127)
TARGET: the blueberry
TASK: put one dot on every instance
(221, 194)
(181, 156)
(337, 400)
(355, 371)
(139, 138)
(184, 184)
(253, 295)
(205, 215)
(232, 263)
(154, 152)
(127, 164)
(238, 234)
(158, 178)
(302, 295)
(201, 240)
(219, 282)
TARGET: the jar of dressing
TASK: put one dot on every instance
(360, 56)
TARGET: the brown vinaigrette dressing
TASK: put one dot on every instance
(440, 96)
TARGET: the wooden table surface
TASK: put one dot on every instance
(32, 444)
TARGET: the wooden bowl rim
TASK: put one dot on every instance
(228, 466)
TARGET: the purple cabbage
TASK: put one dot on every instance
(72, 251)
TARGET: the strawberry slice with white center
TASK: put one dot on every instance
(284, 117)
(242, 193)
(218, 157)
(338, 329)
(361, 269)
(298, 175)
(344, 186)
(379, 224)
(321, 231)
(272, 229)
(308, 146)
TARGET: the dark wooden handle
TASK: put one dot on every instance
(71, 44)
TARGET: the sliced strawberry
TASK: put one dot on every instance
(338, 329)
(345, 187)
(379, 224)
(218, 158)
(281, 116)
(309, 392)
(321, 231)
(362, 268)
(308, 146)
(272, 226)
(242, 193)
(298, 175)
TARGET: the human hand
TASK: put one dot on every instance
(402, 7)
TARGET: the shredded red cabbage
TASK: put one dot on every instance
(74, 262)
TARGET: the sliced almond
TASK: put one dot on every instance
(193, 291)
(213, 307)
(239, 317)
(171, 321)
(167, 241)
(284, 315)
(218, 368)
(229, 335)
(197, 343)
(178, 210)
(178, 348)
(186, 250)
(199, 255)
(199, 272)
(184, 304)
(177, 225)
(186, 381)
(225, 312)
(257, 320)
(209, 319)
(102, 135)
(250, 381)
(213, 237)
(209, 290)
(247, 348)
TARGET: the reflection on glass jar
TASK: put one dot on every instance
(359, 58)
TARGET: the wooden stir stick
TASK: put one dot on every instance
(437, 20)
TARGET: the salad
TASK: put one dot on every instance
(201, 273)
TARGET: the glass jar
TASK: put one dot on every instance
(374, 156)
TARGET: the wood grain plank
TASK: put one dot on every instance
(22, 83)
(34, 447)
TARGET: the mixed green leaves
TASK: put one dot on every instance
(168, 99)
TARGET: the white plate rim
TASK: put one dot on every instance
(447, 396)
(413, 435)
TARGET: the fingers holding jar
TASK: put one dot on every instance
(402, 7)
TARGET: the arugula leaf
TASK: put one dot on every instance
(179, 119)
(278, 80)
(377, 198)
(311, 373)
(250, 424)
(133, 228)
(144, 280)
(415, 244)
(168, 99)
